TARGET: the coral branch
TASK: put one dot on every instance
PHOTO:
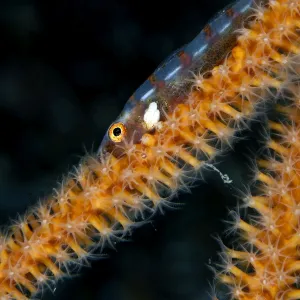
(267, 265)
(106, 194)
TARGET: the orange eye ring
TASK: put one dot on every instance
(117, 132)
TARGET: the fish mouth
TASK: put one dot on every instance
(103, 145)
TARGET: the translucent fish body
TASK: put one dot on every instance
(171, 81)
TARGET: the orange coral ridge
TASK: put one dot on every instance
(267, 266)
(106, 193)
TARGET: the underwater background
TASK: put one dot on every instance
(66, 70)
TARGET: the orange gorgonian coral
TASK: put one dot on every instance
(109, 192)
(266, 263)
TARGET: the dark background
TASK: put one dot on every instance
(66, 70)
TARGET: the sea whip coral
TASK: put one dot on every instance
(109, 191)
(266, 263)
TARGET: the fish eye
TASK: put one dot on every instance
(117, 132)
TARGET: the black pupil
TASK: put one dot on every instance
(117, 131)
